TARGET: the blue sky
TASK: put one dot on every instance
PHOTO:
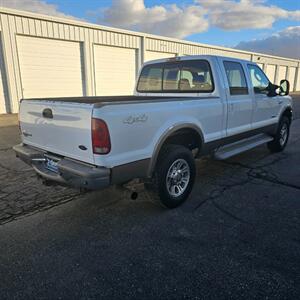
(256, 25)
(214, 35)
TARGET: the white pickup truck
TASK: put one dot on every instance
(183, 108)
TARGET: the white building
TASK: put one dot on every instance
(43, 56)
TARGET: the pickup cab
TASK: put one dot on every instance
(183, 108)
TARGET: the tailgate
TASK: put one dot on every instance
(58, 127)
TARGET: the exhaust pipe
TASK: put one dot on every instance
(47, 183)
(131, 189)
(129, 194)
(134, 195)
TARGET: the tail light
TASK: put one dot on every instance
(100, 137)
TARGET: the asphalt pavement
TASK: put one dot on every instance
(238, 235)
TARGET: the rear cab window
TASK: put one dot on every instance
(171, 76)
(151, 78)
(189, 76)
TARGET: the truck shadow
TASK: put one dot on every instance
(212, 175)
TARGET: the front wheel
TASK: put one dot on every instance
(281, 137)
(174, 175)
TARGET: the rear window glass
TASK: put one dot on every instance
(185, 77)
(171, 77)
(151, 78)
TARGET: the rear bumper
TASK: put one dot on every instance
(70, 172)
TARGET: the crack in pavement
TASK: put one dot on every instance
(38, 208)
(15, 171)
(216, 193)
(5, 149)
(5, 168)
(268, 177)
(228, 213)
(257, 172)
(260, 172)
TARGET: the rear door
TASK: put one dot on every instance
(239, 99)
(266, 109)
(58, 127)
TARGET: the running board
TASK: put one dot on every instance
(241, 146)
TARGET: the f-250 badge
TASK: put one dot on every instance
(136, 119)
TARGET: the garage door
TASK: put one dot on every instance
(2, 93)
(291, 78)
(50, 68)
(281, 73)
(270, 72)
(115, 70)
(151, 55)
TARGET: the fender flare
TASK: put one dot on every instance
(287, 109)
(164, 137)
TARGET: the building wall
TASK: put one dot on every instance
(44, 56)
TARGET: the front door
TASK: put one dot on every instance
(266, 109)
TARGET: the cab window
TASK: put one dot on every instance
(196, 77)
(259, 80)
(151, 78)
(188, 76)
(236, 78)
(171, 77)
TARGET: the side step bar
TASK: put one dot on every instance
(241, 146)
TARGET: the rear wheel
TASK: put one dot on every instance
(282, 136)
(174, 175)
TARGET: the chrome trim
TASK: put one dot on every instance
(38, 159)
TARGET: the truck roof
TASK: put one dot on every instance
(194, 57)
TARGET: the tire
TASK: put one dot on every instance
(282, 136)
(174, 175)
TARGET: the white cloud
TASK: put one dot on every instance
(245, 14)
(283, 43)
(181, 21)
(36, 6)
(169, 20)
(174, 20)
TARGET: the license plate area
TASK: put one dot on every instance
(51, 164)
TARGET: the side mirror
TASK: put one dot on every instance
(272, 89)
(284, 88)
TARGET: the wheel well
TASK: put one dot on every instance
(288, 113)
(186, 137)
